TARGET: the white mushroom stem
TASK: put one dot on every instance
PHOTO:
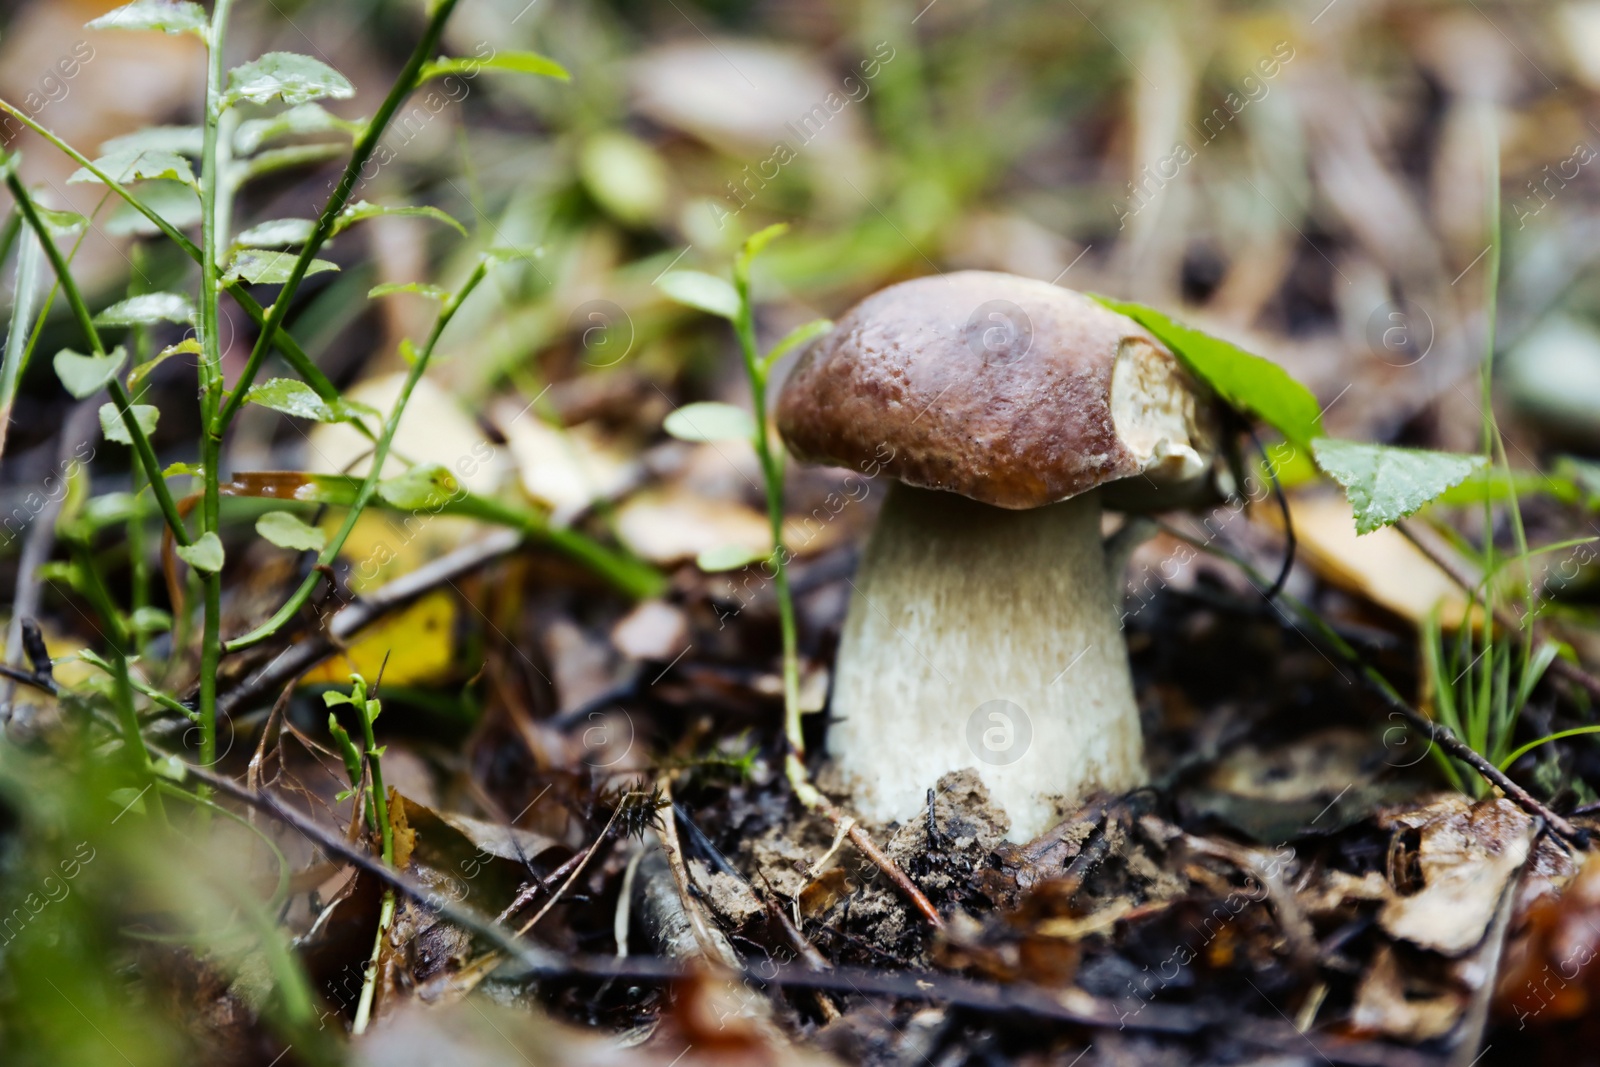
(985, 638)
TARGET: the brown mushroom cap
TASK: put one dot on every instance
(1011, 391)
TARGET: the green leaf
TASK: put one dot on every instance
(116, 430)
(177, 140)
(205, 554)
(108, 509)
(705, 292)
(295, 122)
(278, 233)
(83, 376)
(187, 346)
(268, 268)
(148, 620)
(1385, 484)
(276, 159)
(361, 210)
(798, 337)
(183, 470)
(1499, 485)
(128, 799)
(512, 62)
(148, 308)
(61, 223)
(170, 766)
(710, 421)
(289, 76)
(425, 486)
(728, 558)
(432, 292)
(754, 244)
(287, 530)
(179, 204)
(1584, 474)
(137, 165)
(1247, 382)
(168, 16)
(293, 397)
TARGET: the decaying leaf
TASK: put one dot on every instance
(1466, 856)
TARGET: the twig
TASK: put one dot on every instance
(862, 841)
(1464, 752)
(1572, 672)
(306, 654)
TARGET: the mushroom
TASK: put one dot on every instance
(982, 631)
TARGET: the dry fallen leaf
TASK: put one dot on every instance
(569, 468)
(1466, 857)
(1391, 1003)
(1382, 566)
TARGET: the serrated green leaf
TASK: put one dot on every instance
(432, 292)
(137, 165)
(187, 346)
(295, 122)
(294, 397)
(511, 62)
(148, 308)
(287, 530)
(268, 268)
(728, 558)
(205, 554)
(710, 421)
(175, 202)
(425, 486)
(116, 430)
(278, 233)
(1384, 483)
(177, 140)
(181, 470)
(705, 292)
(83, 376)
(1247, 382)
(361, 210)
(295, 79)
(168, 16)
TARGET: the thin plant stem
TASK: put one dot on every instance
(380, 805)
(369, 485)
(213, 229)
(772, 472)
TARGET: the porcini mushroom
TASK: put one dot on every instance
(981, 632)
